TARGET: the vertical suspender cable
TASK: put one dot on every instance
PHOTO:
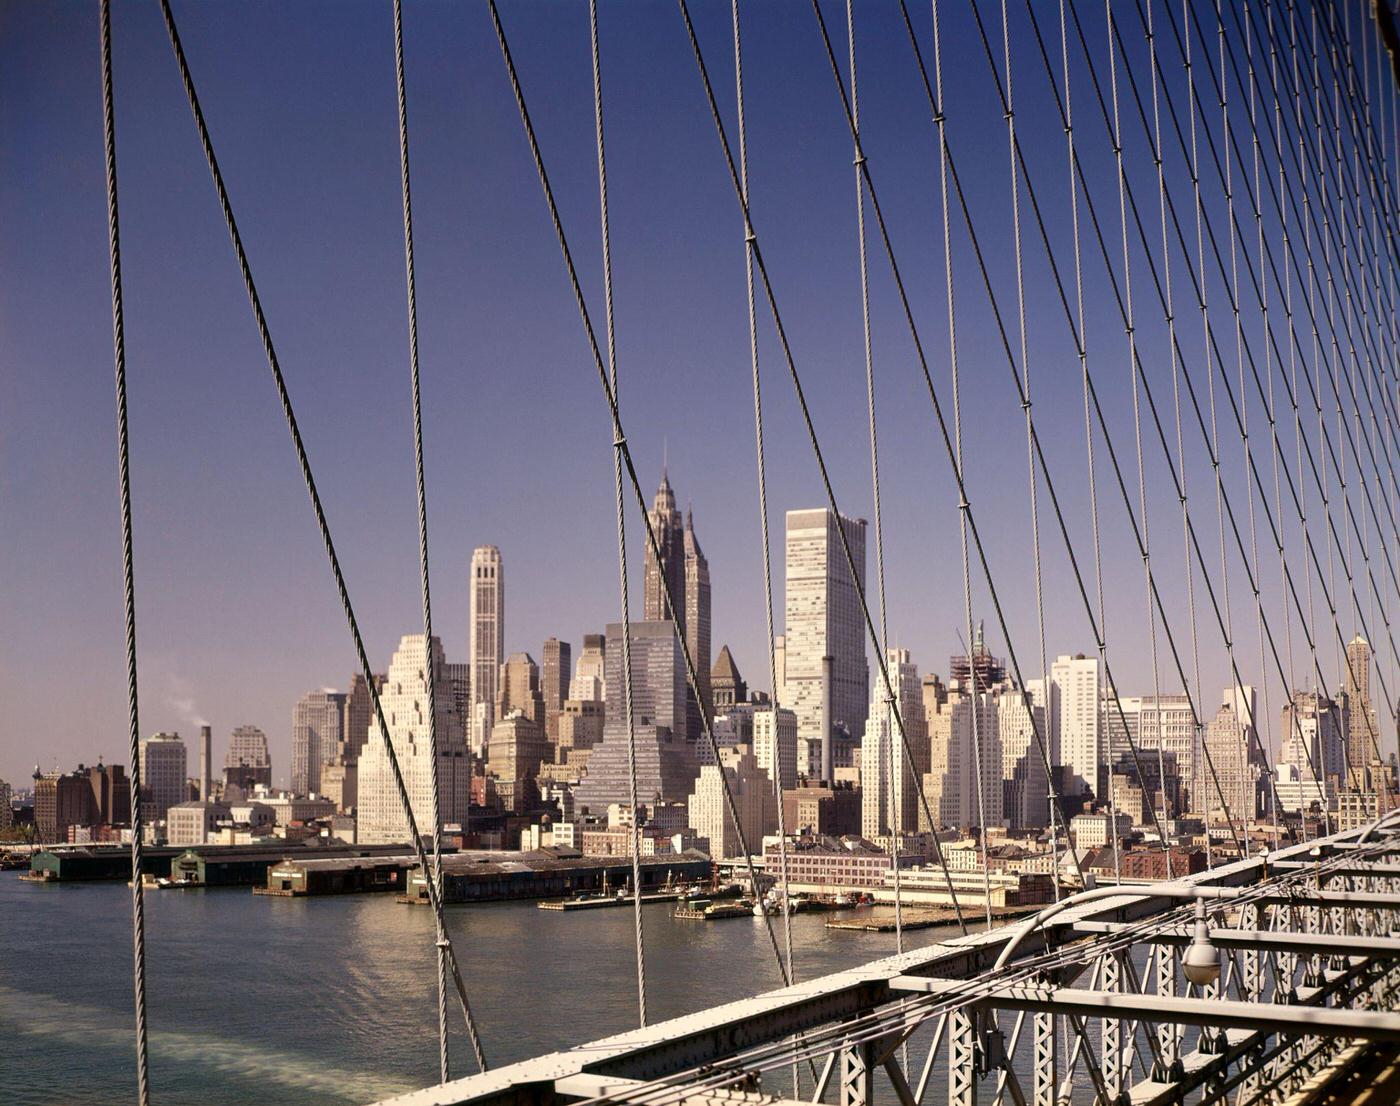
(963, 504)
(889, 761)
(762, 471)
(1131, 332)
(304, 463)
(429, 661)
(138, 905)
(1032, 482)
(618, 442)
(1081, 345)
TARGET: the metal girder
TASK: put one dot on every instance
(962, 1058)
(1370, 900)
(1221, 1013)
(857, 1074)
(590, 1086)
(1260, 940)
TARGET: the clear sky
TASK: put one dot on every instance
(237, 615)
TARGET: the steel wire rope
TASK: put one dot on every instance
(635, 837)
(676, 617)
(761, 468)
(1016, 378)
(790, 361)
(114, 250)
(303, 461)
(1181, 471)
(964, 506)
(1258, 384)
(888, 760)
(1032, 481)
(1221, 618)
(1130, 332)
(429, 661)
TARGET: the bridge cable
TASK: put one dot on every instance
(1130, 332)
(138, 904)
(1197, 777)
(1221, 618)
(964, 506)
(676, 616)
(1032, 481)
(1259, 388)
(618, 442)
(1005, 343)
(430, 659)
(810, 427)
(265, 335)
(887, 760)
(762, 473)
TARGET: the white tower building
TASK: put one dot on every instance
(404, 699)
(488, 584)
(1075, 715)
(824, 674)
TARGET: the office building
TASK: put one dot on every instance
(1363, 729)
(774, 741)
(697, 615)
(1025, 784)
(888, 787)
(404, 698)
(825, 680)
(554, 684)
(1075, 715)
(163, 774)
(1314, 745)
(666, 764)
(247, 763)
(727, 687)
(963, 783)
(517, 749)
(519, 689)
(754, 801)
(317, 737)
(590, 680)
(1229, 740)
(488, 629)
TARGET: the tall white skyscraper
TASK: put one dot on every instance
(488, 616)
(824, 674)
(404, 699)
(889, 796)
(1075, 714)
(1025, 786)
(775, 744)
(959, 794)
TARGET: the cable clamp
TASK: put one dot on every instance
(1009, 114)
(443, 943)
(859, 158)
(939, 118)
(620, 441)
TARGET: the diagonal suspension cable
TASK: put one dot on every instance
(676, 617)
(762, 475)
(444, 1059)
(790, 361)
(303, 461)
(618, 441)
(138, 902)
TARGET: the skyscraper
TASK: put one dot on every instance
(317, 722)
(1229, 740)
(697, 615)
(669, 570)
(889, 792)
(589, 679)
(404, 698)
(666, 761)
(247, 763)
(488, 640)
(519, 689)
(162, 774)
(683, 569)
(554, 683)
(359, 711)
(1363, 733)
(1075, 714)
(825, 677)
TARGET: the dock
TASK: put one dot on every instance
(926, 919)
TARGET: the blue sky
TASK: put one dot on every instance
(237, 615)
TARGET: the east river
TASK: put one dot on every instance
(255, 1000)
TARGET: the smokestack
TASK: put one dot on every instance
(205, 741)
(827, 774)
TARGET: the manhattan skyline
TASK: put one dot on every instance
(237, 617)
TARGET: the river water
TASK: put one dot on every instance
(261, 1000)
